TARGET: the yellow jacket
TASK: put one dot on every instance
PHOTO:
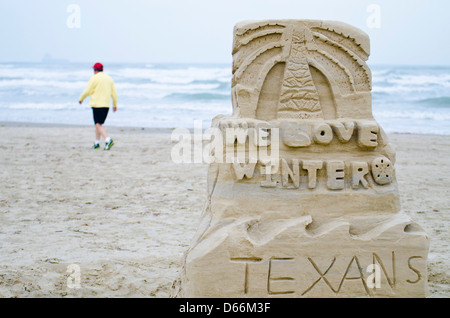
(101, 89)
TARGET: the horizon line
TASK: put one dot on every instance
(63, 61)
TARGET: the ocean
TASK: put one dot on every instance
(406, 99)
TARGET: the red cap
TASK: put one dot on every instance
(98, 66)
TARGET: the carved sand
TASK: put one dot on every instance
(302, 196)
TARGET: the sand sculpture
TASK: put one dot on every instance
(303, 199)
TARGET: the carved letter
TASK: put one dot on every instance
(269, 168)
(361, 277)
(236, 134)
(312, 166)
(262, 133)
(359, 170)
(295, 135)
(367, 134)
(286, 172)
(270, 278)
(322, 276)
(335, 171)
(246, 261)
(246, 170)
(415, 270)
(323, 134)
(390, 281)
(343, 130)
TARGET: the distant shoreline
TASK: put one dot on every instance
(110, 128)
(139, 129)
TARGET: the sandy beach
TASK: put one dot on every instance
(126, 216)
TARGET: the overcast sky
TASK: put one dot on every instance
(401, 31)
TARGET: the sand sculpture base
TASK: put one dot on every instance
(283, 258)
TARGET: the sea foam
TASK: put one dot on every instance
(405, 99)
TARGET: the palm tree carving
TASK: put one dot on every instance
(304, 48)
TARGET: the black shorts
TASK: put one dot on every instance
(100, 114)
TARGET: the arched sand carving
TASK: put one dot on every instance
(338, 52)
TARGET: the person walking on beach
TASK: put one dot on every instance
(101, 89)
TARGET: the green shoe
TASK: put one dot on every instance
(95, 146)
(109, 144)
